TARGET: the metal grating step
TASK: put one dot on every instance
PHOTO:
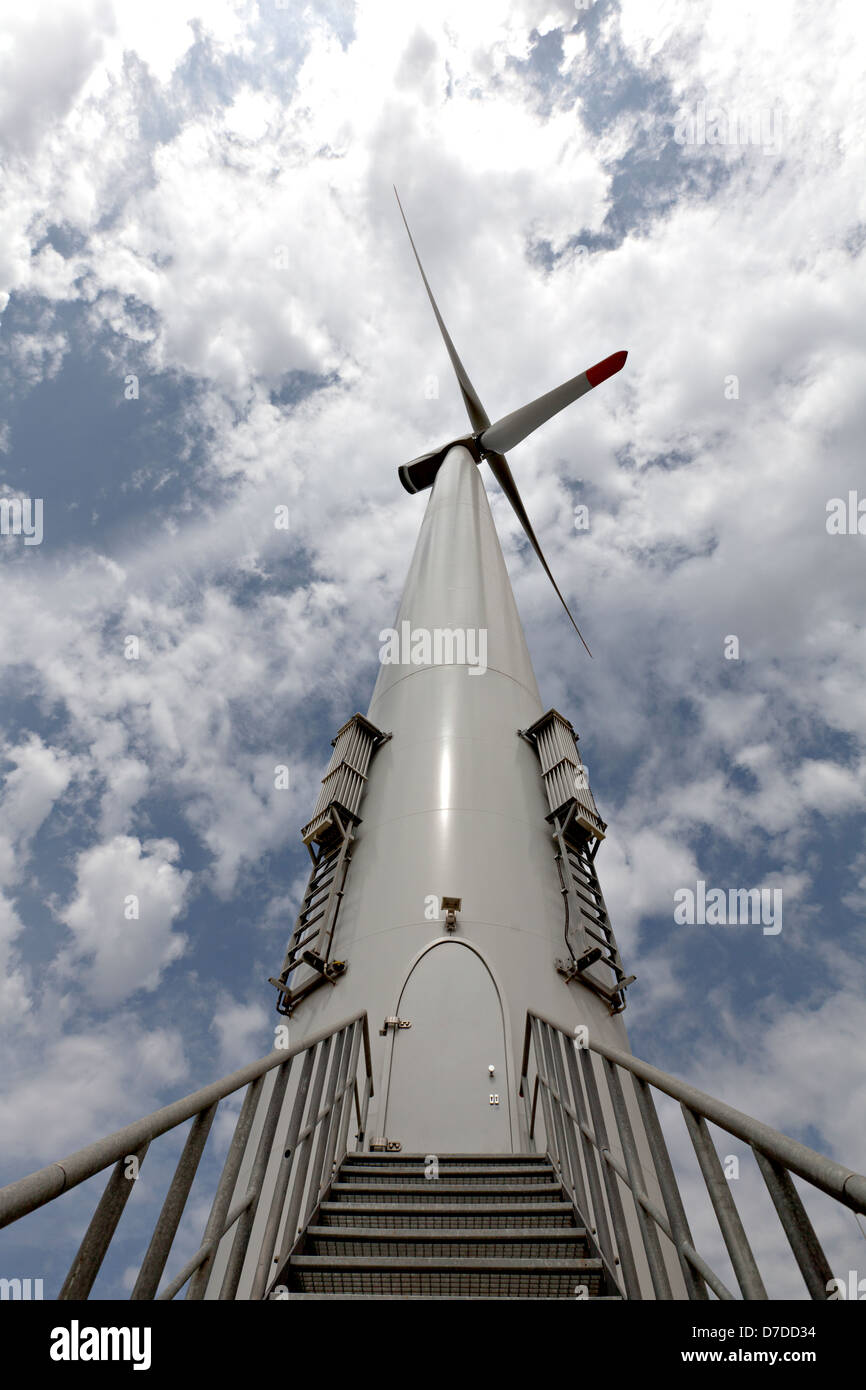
(463, 1160)
(433, 1192)
(463, 1173)
(478, 1278)
(448, 1243)
(454, 1297)
(465, 1216)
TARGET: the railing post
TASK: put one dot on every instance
(173, 1207)
(614, 1201)
(216, 1221)
(591, 1158)
(541, 1078)
(528, 1124)
(560, 1149)
(523, 1088)
(742, 1259)
(97, 1238)
(361, 1111)
(695, 1286)
(649, 1234)
(578, 1190)
(330, 1126)
(802, 1239)
(241, 1240)
(348, 1094)
(281, 1181)
(299, 1176)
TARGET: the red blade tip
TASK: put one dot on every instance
(609, 367)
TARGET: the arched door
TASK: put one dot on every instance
(440, 1086)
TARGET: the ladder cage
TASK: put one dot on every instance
(578, 829)
(329, 836)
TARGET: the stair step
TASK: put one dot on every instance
(462, 1215)
(454, 1297)
(479, 1277)
(463, 1159)
(434, 1191)
(448, 1243)
(467, 1173)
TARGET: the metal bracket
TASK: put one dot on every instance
(451, 906)
(383, 1145)
(577, 970)
(331, 969)
(394, 1023)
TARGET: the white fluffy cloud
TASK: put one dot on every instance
(244, 1030)
(95, 1073)
(39, 776)
(123, 915)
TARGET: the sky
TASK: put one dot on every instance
(211, 318)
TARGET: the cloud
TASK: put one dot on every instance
(128, 896)
(95, 1073)
(40, 776)
(47, 56)
(244, 1031)
(15, 1000)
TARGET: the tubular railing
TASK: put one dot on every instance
(575, 1128)
(314, 1144)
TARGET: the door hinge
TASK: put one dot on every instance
(394, 1023)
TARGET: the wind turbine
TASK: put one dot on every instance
(500, 1149)
(488, 441)
(453, 885)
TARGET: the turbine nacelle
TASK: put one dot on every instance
(490, 441)
(420, 473)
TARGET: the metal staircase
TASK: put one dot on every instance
(599, 1212)
(459, 1226)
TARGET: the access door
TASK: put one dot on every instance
(442, 1096)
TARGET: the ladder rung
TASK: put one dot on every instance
(319, 888)
(310, 920)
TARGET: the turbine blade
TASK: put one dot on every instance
(478, 416)
(508, 431)
(504, 477)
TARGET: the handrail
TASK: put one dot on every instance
(27, 1194)
(576, 1135)
(823, 1172)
